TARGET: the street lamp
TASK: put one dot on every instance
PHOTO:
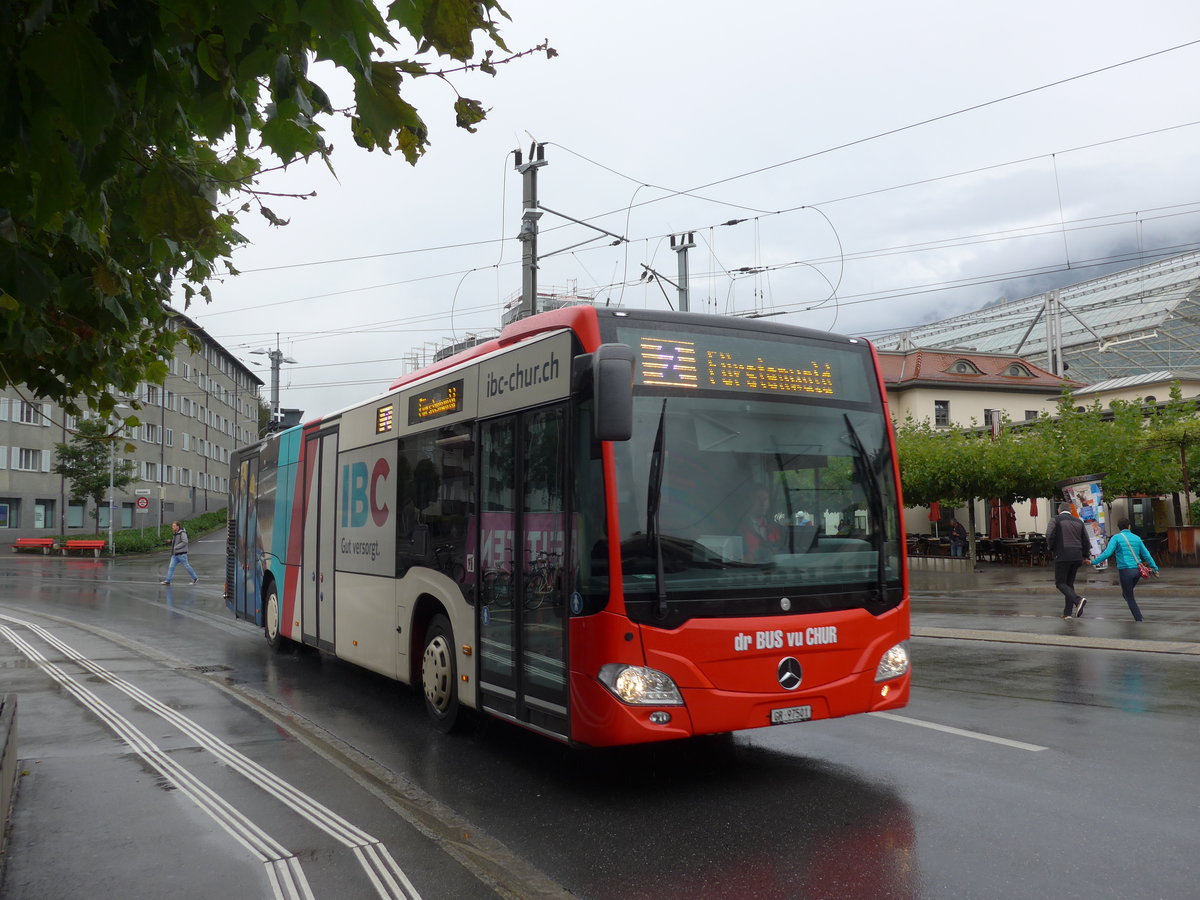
(112, 477)
(277, 359)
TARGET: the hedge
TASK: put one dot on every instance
(158, 537)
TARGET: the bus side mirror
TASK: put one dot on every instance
(612, 392)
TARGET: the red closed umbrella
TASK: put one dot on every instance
(935, 514)
(1033, 506)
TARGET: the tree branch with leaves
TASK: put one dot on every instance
(131, 131)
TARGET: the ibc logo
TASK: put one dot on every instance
(362, 494)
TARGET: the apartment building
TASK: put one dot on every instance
(207, 407)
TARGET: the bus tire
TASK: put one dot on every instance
(439, 675)
(272, 613)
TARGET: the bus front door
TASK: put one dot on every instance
(523, 545)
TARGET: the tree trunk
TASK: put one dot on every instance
(971, 531)
(1187, 486)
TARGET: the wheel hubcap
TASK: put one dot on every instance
(272, 616)
(436, 672)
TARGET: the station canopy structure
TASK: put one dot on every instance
(1135, 322)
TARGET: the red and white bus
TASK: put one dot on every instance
(607, 526)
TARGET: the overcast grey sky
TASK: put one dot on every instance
(826, 127)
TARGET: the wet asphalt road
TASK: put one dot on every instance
(1037, 758)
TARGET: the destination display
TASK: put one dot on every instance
(434, 403)
(716, 362)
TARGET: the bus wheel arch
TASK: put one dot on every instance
(438, 667)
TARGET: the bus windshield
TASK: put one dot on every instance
(729, 503)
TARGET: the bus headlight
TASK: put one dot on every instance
(894, 663)
(639, 686)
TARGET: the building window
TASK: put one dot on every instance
(941, 412)
(75, 514)
(964, 367)
(43, 513)
(8, 515)
(31, 413)
(1016, 370)
(1031, 414)
(29, 460)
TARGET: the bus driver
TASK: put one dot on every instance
(761, 536)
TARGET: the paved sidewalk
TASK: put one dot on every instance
(1019, 604)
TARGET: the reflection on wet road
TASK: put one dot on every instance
(1018, 769)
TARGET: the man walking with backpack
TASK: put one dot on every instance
(179, 553)
(1068, 541)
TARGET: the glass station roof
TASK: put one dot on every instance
(1134, 322)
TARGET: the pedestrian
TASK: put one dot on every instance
(958, 538)
(179, 553)
(1068, 543)
(1130, 551)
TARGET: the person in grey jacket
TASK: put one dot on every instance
(179, 553)
(1068, 541)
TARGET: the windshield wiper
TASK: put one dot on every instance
(653, 502)
(863, 464)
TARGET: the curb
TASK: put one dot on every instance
(1185, 648)
(8, 765)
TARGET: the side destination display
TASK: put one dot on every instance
(433, 403)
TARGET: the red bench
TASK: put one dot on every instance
(94, 546)
(43, 544)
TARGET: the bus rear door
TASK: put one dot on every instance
(320, 520)
(247, 566)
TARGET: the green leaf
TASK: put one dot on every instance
(74, 67)
(468, 113)
(289, 138)
(171, 205)
(382, 112)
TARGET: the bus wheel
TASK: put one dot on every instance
(271, 614)
(439, 674)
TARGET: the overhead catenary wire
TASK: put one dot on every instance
(793, 304)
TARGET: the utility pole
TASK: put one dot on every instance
(277, 359)
(685, 244)
(529, 225)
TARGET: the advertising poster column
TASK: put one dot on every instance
(1086, 496)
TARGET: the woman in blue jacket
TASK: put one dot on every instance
(1129, 550)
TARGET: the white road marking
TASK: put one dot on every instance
(283, 869)
(381, 868)
(949, 729)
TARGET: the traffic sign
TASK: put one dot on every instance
(143, 503)
(143, 492)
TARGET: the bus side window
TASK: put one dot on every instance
(435, 490)
(406, 516)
